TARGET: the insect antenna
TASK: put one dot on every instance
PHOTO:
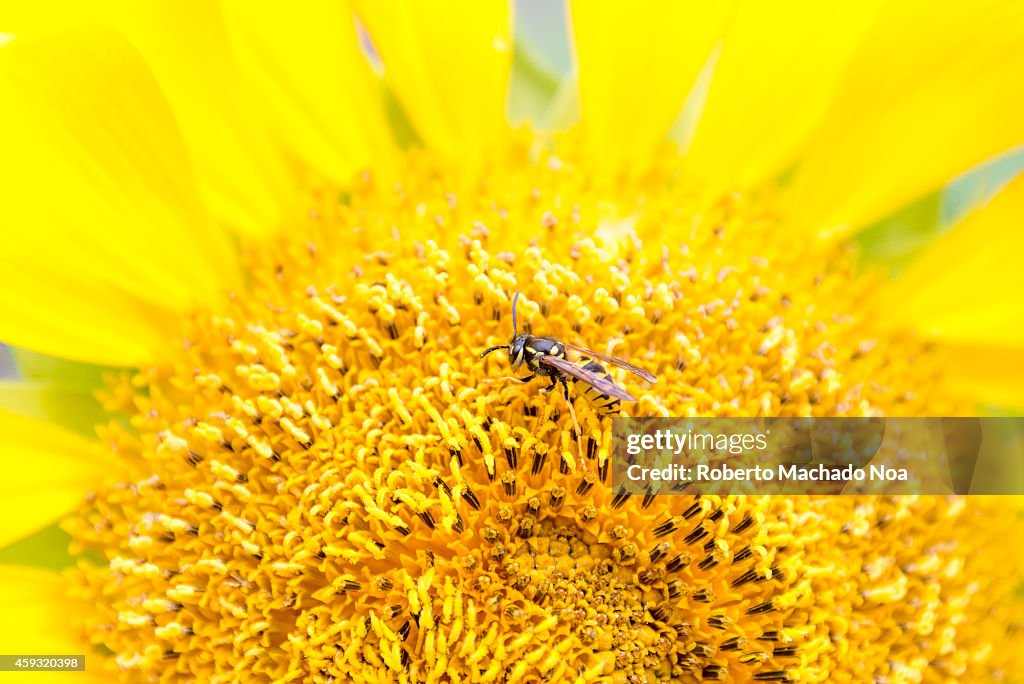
(515, 326)
(492, 349)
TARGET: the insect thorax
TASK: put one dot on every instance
(536, 348)
(545, 345)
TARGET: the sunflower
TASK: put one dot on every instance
(277, 240)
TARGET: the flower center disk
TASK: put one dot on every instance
(326, 483)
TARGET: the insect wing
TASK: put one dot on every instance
(598, 382)
(640, 372)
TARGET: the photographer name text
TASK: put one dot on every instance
(795, 473)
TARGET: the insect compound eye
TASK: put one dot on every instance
(515, 352)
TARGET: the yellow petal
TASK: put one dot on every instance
(989, 375)
(47, 473)
(22, 22)
(933, 89)
(105, 240)
(449, 64)
(34, 609)
(240, 173)
(966, 289)
(636, 63)
(314, 83)
(773, 79)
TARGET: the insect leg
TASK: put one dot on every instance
(575, 423)
(506, 378)
(552, 386)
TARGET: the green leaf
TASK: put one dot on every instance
(531, 90)
(895, 241)
(72, 407)
(685, 126)
(401, 126)
(541, 63)
(47, 548)
(977, 186)
(56, 390)
(564, 110)
(35, 366)
(7, 367)
(543, 28)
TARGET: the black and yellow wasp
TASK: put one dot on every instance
(546, 357)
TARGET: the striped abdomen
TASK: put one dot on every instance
(601, 402)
